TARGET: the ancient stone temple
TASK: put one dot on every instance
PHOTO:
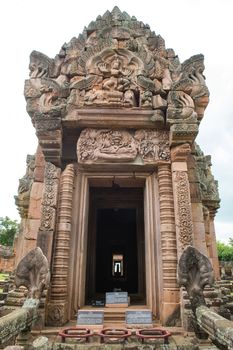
(118, 187)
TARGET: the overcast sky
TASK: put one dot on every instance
(188, 26)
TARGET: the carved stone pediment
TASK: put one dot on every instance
(117, 62)
(120, 146)
(115, 77)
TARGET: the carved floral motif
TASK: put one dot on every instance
(184, 209)
(49, 200)
(102, 146)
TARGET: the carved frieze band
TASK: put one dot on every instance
(107, 146)
(49, 201)
(183, 209)
(167, 225)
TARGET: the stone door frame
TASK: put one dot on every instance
(78, 247)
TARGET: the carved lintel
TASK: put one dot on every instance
(153, 145)
(119, 146)
(180, 153)
(106, 146)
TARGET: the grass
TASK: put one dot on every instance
(4, 276)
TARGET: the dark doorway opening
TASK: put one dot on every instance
(115, 252)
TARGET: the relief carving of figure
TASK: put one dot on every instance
(153, 145)
(106, 146)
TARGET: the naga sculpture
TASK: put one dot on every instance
(194, 273)
(32, 272)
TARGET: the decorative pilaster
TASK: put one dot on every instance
(213, 254)
(182, 201)
(57, 306)
(168, 243)
(48, 210)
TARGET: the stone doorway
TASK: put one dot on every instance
(116, 243)
(144, 186)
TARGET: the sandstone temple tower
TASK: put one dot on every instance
(118, 187)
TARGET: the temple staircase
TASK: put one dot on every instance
(115, 316)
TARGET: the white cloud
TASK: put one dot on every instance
(224, 231)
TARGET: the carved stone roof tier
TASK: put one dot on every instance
(116, 63)
(207, 184)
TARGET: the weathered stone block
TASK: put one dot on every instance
(32, 228)
(39, 161)
(39, 174)
(34, 211)
(45, 242)
(41, 343)
(56, 314)
(179, 166)
(29, 244)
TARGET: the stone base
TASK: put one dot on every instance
(171, 314)
(56, 314)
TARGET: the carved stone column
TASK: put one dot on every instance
(213, 244)
(199, 232)
(168, 243)
(209, 215)
(182, 201)
(58, 304)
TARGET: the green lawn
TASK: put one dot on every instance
(4, 276)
